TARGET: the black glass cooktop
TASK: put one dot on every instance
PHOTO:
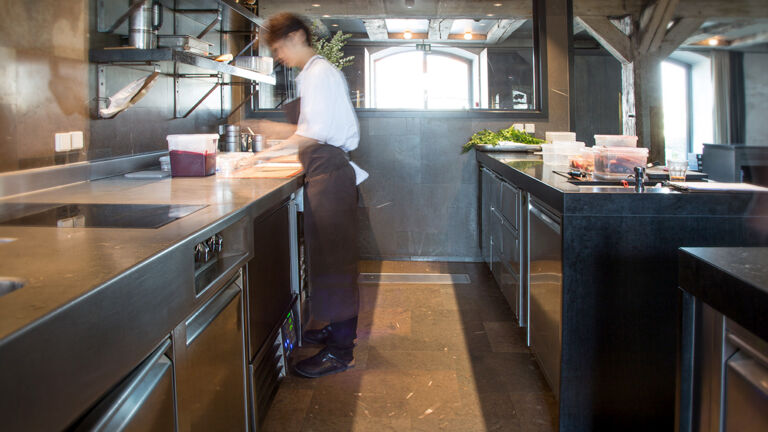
(147, 216)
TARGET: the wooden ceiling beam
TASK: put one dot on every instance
(376, 29)
(654, 31)
(717, 29)
(503, 29)
(678, 34)
(440, 28)
(609, 36)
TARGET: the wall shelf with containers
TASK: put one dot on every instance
(183, 61)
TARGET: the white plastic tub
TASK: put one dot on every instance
(616, 163)
(615, 141)
(559, 152)
(552, 137)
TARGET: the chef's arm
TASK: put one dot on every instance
(269, 129)
(294, 141)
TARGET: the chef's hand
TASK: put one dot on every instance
(270, 130)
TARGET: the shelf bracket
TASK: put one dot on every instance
(202, 99)
(133, 8)
(101, 89)
(211, 25)
(244, 101)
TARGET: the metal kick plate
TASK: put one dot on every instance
(415, 278)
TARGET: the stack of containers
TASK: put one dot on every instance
(193, 155)
(561, 146)
(616, 156)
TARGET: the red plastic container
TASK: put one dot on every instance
(192, 164)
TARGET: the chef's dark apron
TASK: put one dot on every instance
(330, 232)
(330, 228)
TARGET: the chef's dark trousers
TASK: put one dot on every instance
(330, 235)
(342, 341)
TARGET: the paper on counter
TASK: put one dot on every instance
(717, 187)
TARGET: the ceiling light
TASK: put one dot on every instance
(497, 4)
(315, 4)
(334, 25)
(407, 34)
(713, 42)
(489, 15)
(468, 35)
(326, 16)
(410, 3)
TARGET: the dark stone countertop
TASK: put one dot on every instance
(528, 172)
(734, 281)
(61, 265)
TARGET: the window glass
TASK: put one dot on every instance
(675, 83)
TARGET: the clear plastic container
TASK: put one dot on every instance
(192, 155)
(584, 161)
(560, 152)
(552, 137)
(615, 141)
(616, 163)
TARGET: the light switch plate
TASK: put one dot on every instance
(62, 142)
(530, 128)
(77, 140)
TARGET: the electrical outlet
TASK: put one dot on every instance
(530, 128)
(519, 126)
(62, 142)
(77, 140)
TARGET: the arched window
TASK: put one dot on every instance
(404, 78)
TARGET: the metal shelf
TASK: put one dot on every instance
(132, 55)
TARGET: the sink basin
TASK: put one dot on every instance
(8, 285)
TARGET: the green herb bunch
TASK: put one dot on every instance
(486, 136)
(331, 48)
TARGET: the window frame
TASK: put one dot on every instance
(540, 94)
(688, 101)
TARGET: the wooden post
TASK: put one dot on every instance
(640, 43)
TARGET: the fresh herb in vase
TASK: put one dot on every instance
(487, 137)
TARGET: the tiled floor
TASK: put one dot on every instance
(429, 358)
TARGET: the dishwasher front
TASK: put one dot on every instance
(545, 285)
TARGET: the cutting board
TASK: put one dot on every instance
(269, 170)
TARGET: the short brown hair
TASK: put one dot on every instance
(281, 25)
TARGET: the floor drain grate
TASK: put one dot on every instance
(415, 278)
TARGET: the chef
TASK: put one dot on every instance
(326, 130)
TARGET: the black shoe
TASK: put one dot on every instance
(318, 337)
(323, 363)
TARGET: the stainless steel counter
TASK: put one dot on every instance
(99, 300)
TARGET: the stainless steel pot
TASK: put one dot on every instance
(144, 24)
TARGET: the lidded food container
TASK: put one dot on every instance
(615, 141)
(584, 161)
(193, 155)
(559, 152)
(616, 163)
(552, 137)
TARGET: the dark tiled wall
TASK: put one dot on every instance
(49, 86)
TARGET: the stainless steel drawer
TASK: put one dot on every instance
(510, 247)
(509, 283)
(510, 204)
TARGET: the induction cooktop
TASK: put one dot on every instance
(146, 216)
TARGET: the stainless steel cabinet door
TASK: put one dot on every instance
(546, 291)
(510, 204)
(142, 403)
(210, 364)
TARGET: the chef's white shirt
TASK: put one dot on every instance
(326, 113)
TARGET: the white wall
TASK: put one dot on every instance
(756, 92)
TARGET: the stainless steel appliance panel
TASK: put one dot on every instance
(144, 402)
(746, 402)
(210, 363)
(510, 204)
(485, 214)
(546, 290)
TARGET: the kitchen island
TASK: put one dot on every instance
(97, 301)
(592, 272)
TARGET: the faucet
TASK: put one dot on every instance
(639, 179)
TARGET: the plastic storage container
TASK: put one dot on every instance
(615, 141)
(616, 163)
(559, 152)
(552, 137)
(193, 155)
(584, 161)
